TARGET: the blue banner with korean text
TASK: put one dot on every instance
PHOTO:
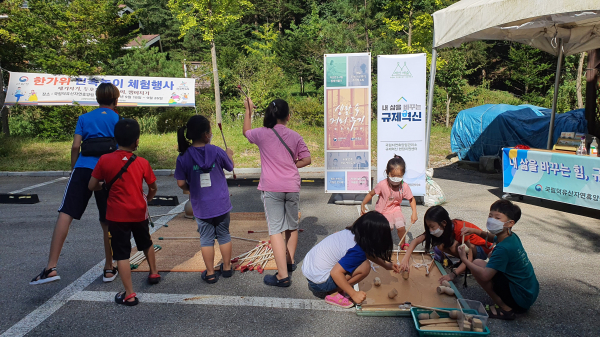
(48, 89)
(553, 176)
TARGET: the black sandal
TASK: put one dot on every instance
(121, 299)
(500, 313)
(107, 279)
(44, 278)
(291, 267)
(226, 273)
(210, 279)
(272, 280)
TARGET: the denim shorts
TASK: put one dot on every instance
(481, 253)
(322, 289)
(214, 228)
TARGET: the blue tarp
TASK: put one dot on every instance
(486, 129)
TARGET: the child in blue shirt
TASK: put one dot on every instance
(508, 277)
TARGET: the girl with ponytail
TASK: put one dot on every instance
(282, 152)
(199, 171)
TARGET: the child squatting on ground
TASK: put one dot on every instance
(391, 191)
(445, 236)
(341, 260)
(199, 171)
(121, 173)
(508, 277)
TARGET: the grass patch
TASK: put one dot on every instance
(22, 154)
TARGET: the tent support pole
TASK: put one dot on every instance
(430, 102)
(554, 100)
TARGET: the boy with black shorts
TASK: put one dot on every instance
(508, 277)
(127, 205)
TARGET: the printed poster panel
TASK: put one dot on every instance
(347, 160)
(358, 71)
(335, 71)
(47, 89)
(348, 122)
(553, 176)
(401, 128)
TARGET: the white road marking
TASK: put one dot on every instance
(198, 299)
(44, 311)
(38, 185)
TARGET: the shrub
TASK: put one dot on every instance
(172, 120)
(148, 124)
(308, 109)
(47, 122)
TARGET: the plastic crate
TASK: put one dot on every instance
(416, 311)
(473, 308)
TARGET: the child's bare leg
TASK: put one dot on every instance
(279, 251)
(151, 257)
(488, 286)
(226, 254)
(58, 239)
(359, 273)
(108, 263)
(208, 255)
(125, 271)
(291, 237)
(401, 232)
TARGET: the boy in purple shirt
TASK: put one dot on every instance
(199, 170)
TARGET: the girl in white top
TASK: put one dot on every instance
(341, 260)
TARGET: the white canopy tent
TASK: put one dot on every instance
(559, 27)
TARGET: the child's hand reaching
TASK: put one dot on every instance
(414, 217)
(461, 253)
(447, 277)
(229, 152)
(363, 209)
(467, 231)
(404, 264)
(396, 268)
(359, 296)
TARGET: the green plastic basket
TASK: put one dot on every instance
(416, 311)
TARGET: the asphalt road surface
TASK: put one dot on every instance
(562, 241)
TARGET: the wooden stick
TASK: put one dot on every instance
(408, 229)
(436, 321)
(159, 215)
(430, 308)
(441, 328)
(225, 143)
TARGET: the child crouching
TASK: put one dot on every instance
(340, 261)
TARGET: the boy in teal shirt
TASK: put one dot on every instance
(508, 276)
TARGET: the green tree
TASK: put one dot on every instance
(211, 17)
(529, 75)
(263, 46)
(62, 37)
(451, 77)
(146, 62)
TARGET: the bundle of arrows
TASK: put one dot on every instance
(256, 258)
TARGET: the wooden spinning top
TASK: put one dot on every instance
(405, 274)
(377, 281)
(393, 293)
(445, 290)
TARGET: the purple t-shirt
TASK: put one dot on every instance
(207, 202)
(278, 170)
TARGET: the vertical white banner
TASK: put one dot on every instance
(347, 123)
(401, 116)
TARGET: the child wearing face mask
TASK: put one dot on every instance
(199, 171)
(391, 192)
(508, 277)
(446, 235)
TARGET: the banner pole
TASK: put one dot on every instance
(430, 103)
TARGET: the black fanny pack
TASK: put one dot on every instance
(95, 147)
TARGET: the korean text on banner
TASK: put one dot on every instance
(547, 175)
(47, 89)
(401, 116)
(348, 123)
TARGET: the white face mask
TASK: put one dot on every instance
(437, 233)
(395, 180)
(494, 226)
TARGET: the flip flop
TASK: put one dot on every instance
(339, 300)
(44, 278)
(154, 278)
(498, 313)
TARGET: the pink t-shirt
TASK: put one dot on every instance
(389, 200)
(278, 170)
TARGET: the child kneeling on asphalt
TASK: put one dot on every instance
(341, 260)
(508, 277)
(122, 173)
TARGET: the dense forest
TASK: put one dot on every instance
(273, 47)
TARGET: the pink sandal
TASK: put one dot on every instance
(339, 300)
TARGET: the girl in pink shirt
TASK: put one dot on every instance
(391, 191)
(282, 152)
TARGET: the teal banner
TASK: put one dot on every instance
(553, 176)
